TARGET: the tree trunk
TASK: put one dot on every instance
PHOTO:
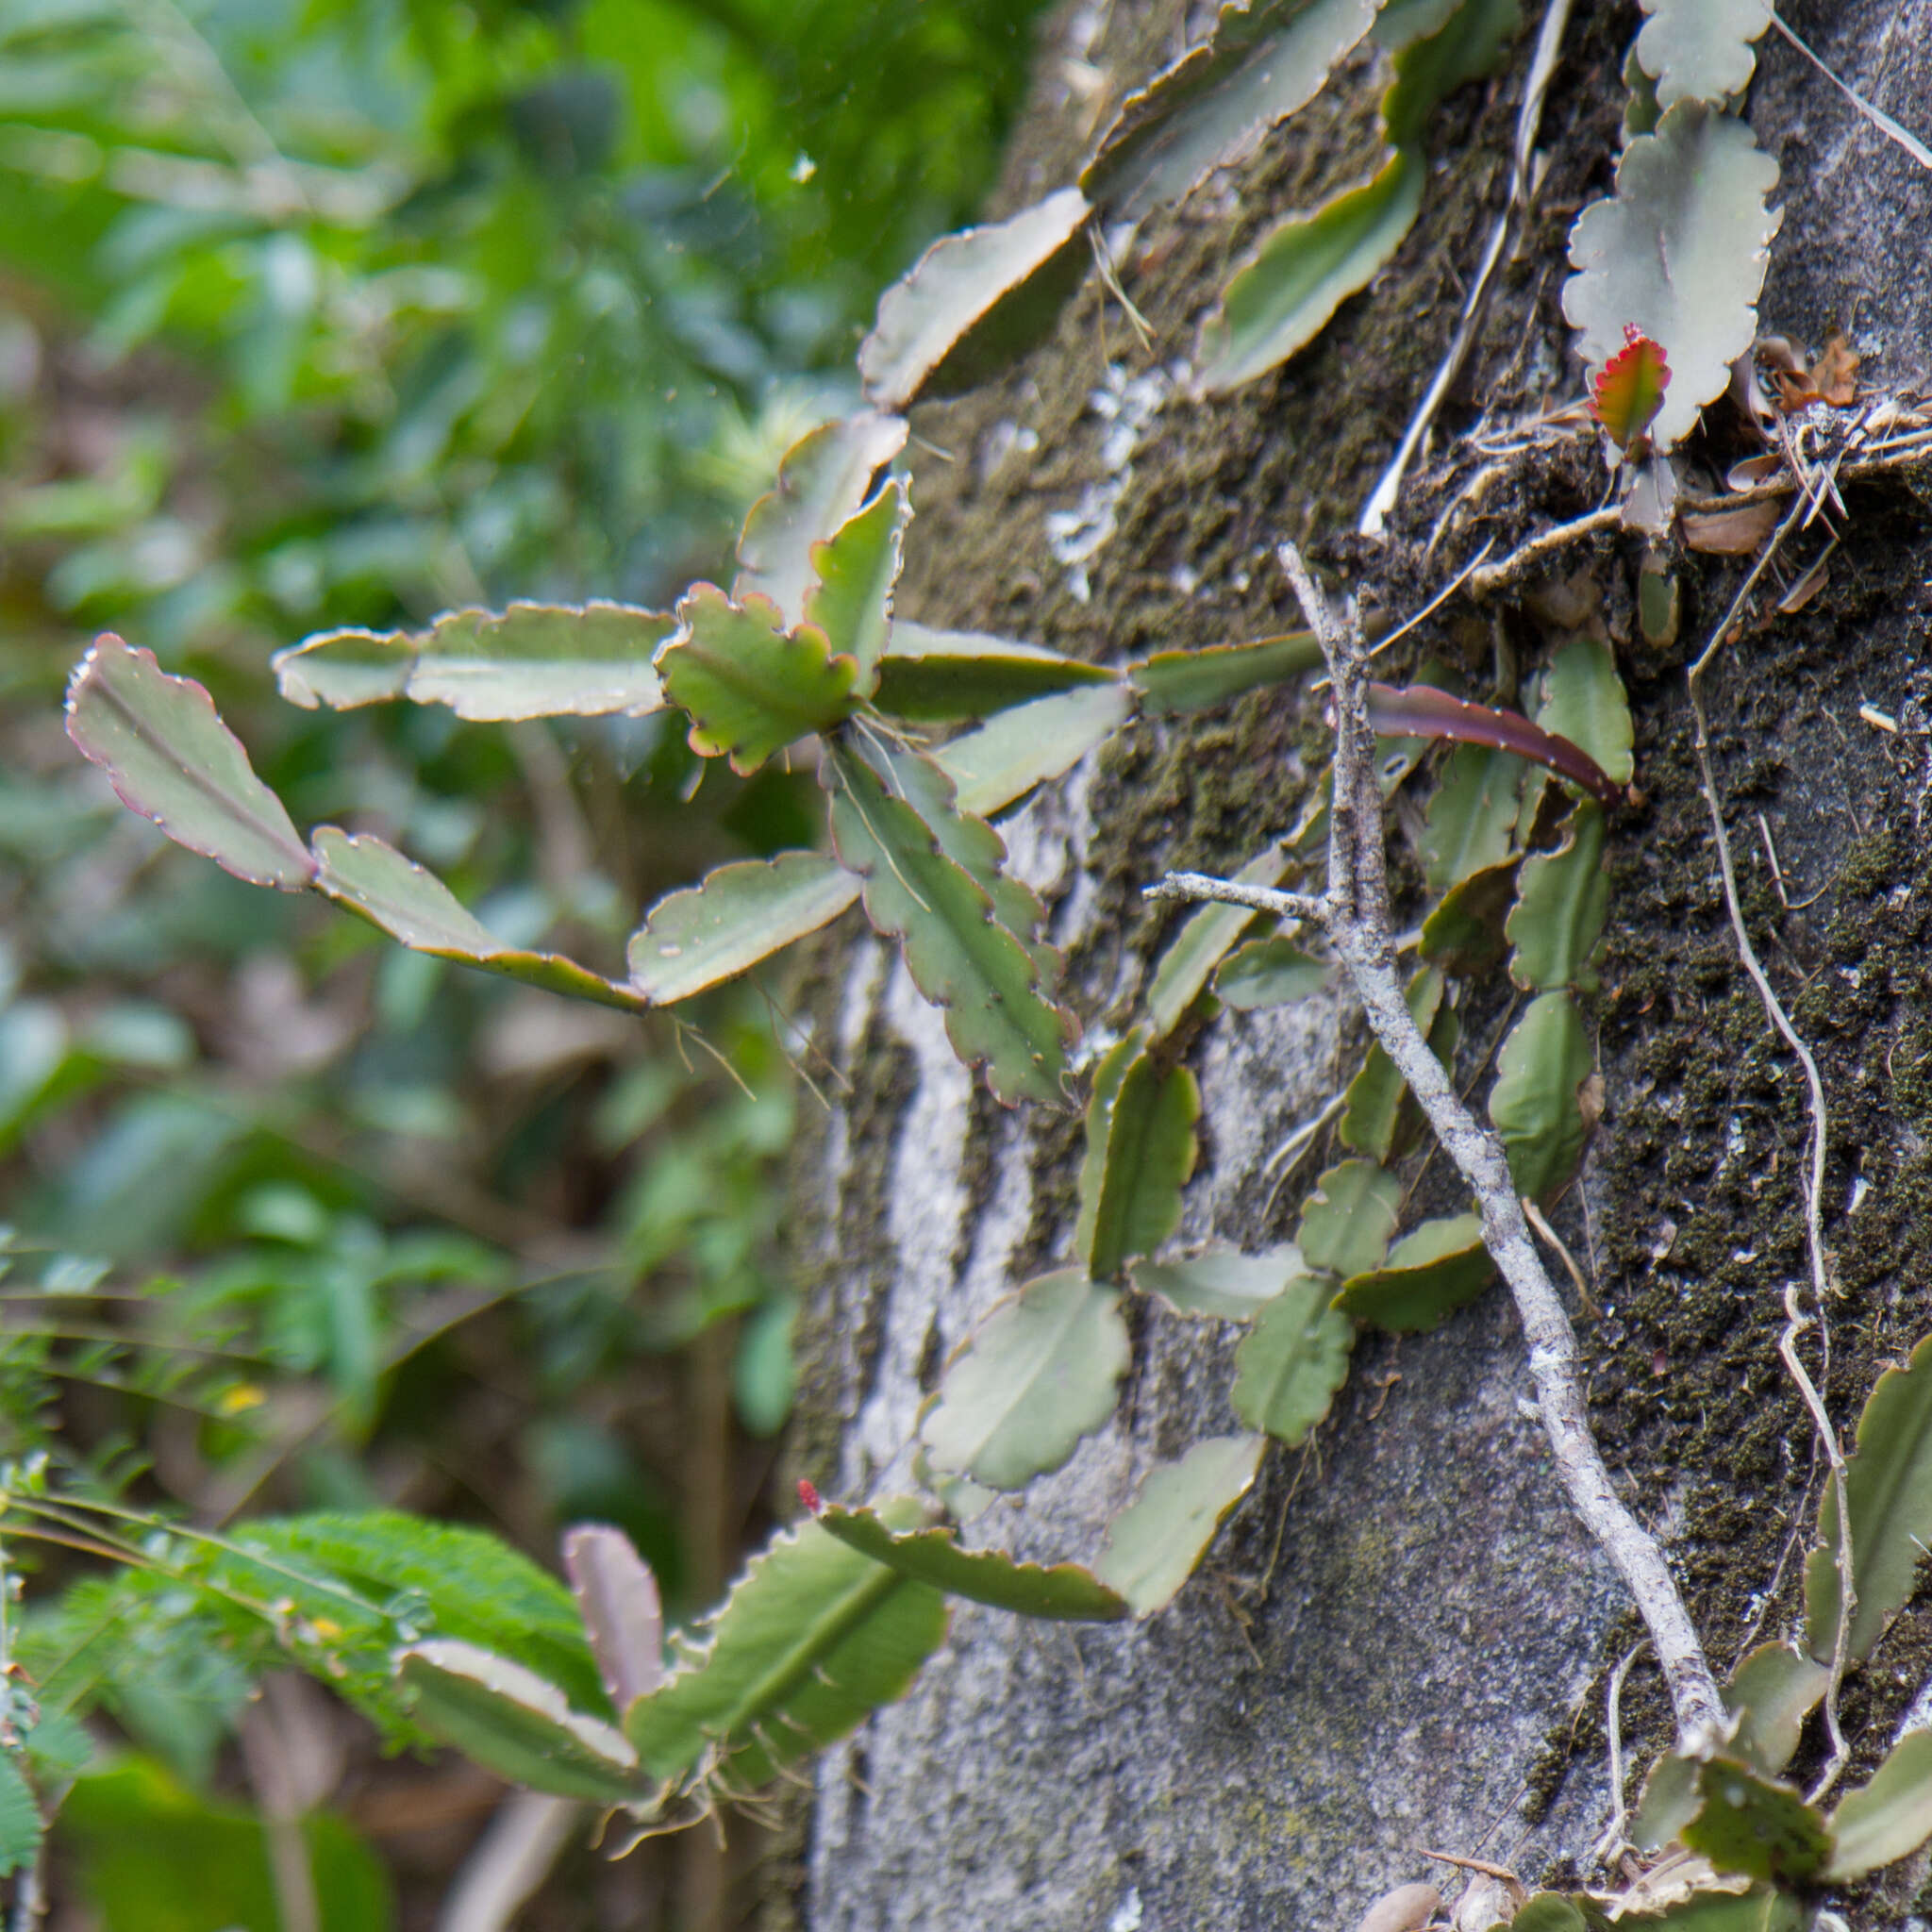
(1402, 1639)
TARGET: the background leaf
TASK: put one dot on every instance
(934, 674)
(1288, 291)
(623, 1620)
(1374, 1095)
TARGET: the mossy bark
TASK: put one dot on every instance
(1402, 1639)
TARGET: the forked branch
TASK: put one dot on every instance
(1355, 914)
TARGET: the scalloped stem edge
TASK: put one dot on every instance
(1355, 913)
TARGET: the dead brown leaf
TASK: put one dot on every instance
(1834, 375)
(1732, 532)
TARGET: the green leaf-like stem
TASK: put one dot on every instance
(1065, 1591)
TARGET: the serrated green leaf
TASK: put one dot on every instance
(531, 660)
(972, 844)
(1292, 1361)
(958, 954)
(1888, 1819)
(975, 302)
(1757, 1826)
(1534, 1104)
(1205, 939)
(370, 877)
(930, 675)
(1562, 903)
(1012, 753)
(1223, 1283)
(1215, 105)
(1349, 1219)
(1155, 1544)
(856, 568)
(750, 685)
(812, 1639)
(21, 1829)
(1374, 1095)
(1771, 1691)
(1431, 1273)
(1267, 972)
(1584, 701)
(1679, 251)
(169, 757)
(1037, 1377)
(517, 1724)
(1700, 49)
(1464, 934)
(823, 481)
(1066, 1591)
(1284, 294)
(1889, 1481)
(1174, 683)
(1139, 1152)
(1471, 819)
(733, 918)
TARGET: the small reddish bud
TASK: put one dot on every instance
(1630, 390)
(809, 1496)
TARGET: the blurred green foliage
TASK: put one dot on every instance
(342, 312)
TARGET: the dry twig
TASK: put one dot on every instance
(1796, 1321)
(1355, 914)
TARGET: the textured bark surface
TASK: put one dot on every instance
(1402, 1639)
